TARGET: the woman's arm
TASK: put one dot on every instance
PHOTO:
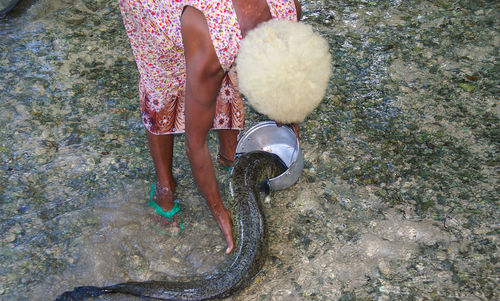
(203, 81)
(298, 9)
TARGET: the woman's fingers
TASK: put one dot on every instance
(293, 126)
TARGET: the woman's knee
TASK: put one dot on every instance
(193, 144)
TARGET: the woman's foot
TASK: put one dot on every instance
(163, 225)
(166, 217)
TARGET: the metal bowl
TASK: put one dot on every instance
(282, 141)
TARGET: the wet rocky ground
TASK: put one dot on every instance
(398, 198)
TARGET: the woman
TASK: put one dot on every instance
(185, 51)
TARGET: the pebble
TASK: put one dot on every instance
(10, 237)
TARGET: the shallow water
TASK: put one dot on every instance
(398, 198)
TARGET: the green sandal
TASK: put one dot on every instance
(168, 214)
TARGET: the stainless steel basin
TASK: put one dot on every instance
(282, 141)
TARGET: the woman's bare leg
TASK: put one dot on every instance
(228, 139)
(161, 148)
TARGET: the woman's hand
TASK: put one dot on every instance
(293, 126)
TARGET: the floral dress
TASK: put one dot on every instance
(154, 30)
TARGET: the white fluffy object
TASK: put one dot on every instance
(283, 69)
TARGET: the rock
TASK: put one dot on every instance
(9, 237)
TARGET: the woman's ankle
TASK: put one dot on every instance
(227, 144)
(224, 160)
(164, 195)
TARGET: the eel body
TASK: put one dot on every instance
(6, 6)
(248, 175)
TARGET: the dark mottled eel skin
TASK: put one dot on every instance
(247, 178)
(6, 6)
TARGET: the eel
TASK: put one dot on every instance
(247, 178)
(6, 6)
